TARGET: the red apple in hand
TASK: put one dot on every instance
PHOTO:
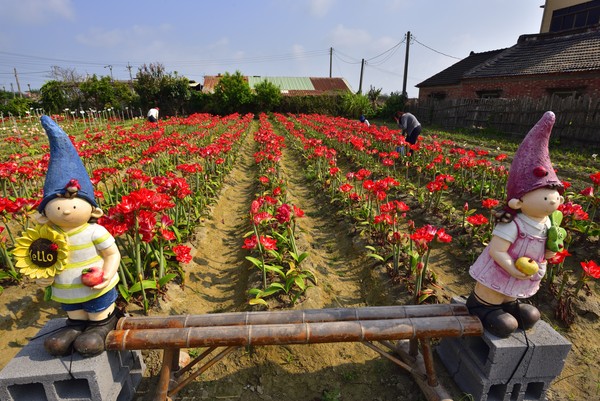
(92, 276)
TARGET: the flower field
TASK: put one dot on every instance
(247, 212)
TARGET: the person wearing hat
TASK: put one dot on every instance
(364, 120)
(153, 114)
(68, 210)
(512, 265)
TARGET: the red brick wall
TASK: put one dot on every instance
(518, 87)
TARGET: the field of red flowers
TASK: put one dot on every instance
(237, 213)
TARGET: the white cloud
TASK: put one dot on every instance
(36, 11)
(320, 8)
(99, 38)
(349, 38)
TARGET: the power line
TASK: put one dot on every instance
(436, 51)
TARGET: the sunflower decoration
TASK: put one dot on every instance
(41, 252)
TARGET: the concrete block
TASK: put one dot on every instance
(34, 375)
(471, 380)
(518, 368)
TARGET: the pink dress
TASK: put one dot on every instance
(486, 271)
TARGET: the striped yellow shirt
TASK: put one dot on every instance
(84, 246)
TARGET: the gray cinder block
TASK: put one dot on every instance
(34, 375)
(514, 368)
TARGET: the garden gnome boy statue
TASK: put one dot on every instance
(65, 211)
(514, 262)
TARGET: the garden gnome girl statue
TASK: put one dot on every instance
(514, 262)
(72, 248)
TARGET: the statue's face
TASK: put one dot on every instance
(541, 202)
(68, 212)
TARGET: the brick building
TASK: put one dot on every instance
(562, 60)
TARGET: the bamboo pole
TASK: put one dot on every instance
(293, 316)
(297, 333)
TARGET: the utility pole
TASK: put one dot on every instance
(406, 64)
(18, 84)
(130, 77)
(362, 67)
(330, 60)
(110, 68)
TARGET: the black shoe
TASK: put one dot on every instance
(60, 343)
(527, 315)
(493, 318)
(91, 342)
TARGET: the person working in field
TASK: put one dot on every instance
(153, 114)
(411, 127)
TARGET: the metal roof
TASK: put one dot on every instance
(284, 83)
(291, 86)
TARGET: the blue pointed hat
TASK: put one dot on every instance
(65, 170)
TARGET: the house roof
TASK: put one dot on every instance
(453, 74)
(544, 53)
(293, 86)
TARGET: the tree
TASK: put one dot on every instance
(53, 97)
(394, 103)
(156, 87)
(373, 95)
(104, 93)
(233, 94)
(268, 95)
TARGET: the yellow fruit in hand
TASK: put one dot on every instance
(527, 265)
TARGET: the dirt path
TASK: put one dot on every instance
(218, 279)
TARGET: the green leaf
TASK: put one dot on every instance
(276, 269)
(375, 256)
(258, 301)
(256, 262)
(124, 292)
(300, 283)
(166, 278)
(299, 259)
(147, 284)
(254, 291)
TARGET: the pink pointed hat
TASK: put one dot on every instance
(531, 167)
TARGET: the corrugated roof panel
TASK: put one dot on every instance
(284, 83)
(329, 84)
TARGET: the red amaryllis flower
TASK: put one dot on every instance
(443, 236)
(574, 210)
(298, 212)
(383, 218)
(250, 242)
(588, 192)
(591, 269)
(477, 220)
(283, 213)
(260, 217)
(559, 257)
(182, 253)
(254, 206)
(489, 203)
(346, 188)
(264, 180)
(268, 243)
(167, 235)
(595, 178)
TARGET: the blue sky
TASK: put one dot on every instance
(256, 37)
